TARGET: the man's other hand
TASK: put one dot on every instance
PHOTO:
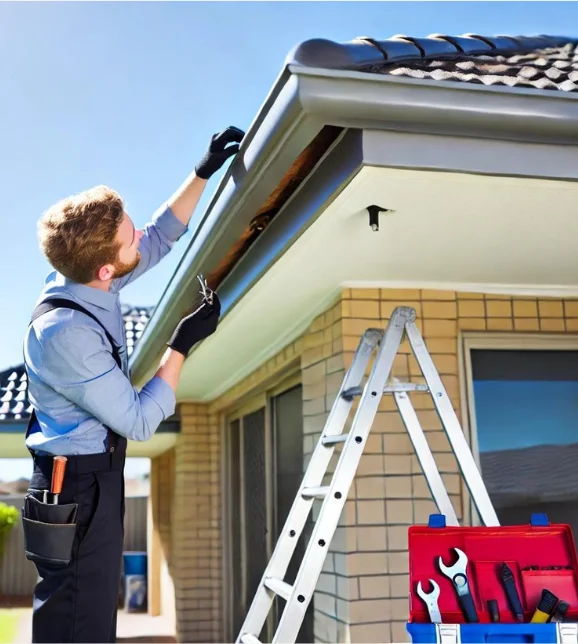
(218, 153)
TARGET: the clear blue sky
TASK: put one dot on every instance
(128, 94)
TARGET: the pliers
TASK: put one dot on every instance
(205, 291)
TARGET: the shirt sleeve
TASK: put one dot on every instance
(92, 380)
(159, 237)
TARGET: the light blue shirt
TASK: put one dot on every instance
(74, 382)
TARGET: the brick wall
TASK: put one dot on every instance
(196, 553)
(362, 593)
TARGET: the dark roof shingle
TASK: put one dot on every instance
(540, 62)
(14, 403)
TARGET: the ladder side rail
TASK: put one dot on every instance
(426, 459)
(315, 471)
(460, 447)
(332, 507)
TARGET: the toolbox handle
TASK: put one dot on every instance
(538, 519)
(437, 521)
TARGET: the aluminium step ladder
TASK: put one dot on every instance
(299, 595)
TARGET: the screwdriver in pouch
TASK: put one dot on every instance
(58, 467)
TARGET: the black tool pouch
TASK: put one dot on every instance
(49, 531)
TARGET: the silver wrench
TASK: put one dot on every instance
(459, 578)
(431, 601)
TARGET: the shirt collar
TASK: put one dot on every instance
(95, 296)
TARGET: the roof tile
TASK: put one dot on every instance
(539, 62)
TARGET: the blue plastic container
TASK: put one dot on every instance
(135, 581)
(489, 633)
(135, 563)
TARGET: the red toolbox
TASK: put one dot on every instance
(540, 556)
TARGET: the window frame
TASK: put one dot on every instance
(507, 341)
(260, 399)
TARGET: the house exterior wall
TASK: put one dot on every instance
(362, 593)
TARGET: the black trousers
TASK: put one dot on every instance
(77, 602)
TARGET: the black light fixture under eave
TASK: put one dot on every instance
(374, 216)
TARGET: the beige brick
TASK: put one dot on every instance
(471, 309)
(398, 512)
(526, 324)
(370, 538)
(397, 444)
(398, 487)
(422, 511)
(399, 632)
(365, 309)
(500, 324)
(370, 464)
(550, 309)
(347, 588)
(525, 309)
(369, 633)
(498, 309)
(552, 325)
(388, 421)
(398, 562)
(571, 308)
(353, 328)
(397, 537)
(371, 512)
(470, 296)
(397, 464)
(571, 325)
(372, 487)
(387, 308)
(365, 293)
(376, 587)
(440, 328)
(369, 611)
(440, 310)
(401, 295)
(429, 420)
(399, 586)
(437, 295)
(471, 324)
(366, 563)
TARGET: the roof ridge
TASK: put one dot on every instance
(364, 51)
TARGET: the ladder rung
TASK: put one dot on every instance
(350, 393)
(315, 492)
(404, 386)
(333, 440)
(247, 638)
(279, 587)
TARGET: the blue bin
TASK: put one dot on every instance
(488, 633)
(135, 581)
(135, 563)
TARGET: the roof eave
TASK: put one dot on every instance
(301, 102)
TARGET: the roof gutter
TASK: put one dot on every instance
(301, 102)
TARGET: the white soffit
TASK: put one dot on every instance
(447, 230)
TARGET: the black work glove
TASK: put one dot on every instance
(217, 153)
(197, 326)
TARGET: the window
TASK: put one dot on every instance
(524, 410)
(265, 470)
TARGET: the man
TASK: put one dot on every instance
(85, 407)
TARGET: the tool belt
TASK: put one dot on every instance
(49, 530)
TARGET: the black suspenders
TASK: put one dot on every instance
(113, 439)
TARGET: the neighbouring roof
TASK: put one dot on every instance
(14, 403)
(540, 62)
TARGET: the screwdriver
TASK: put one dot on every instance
(58, 467)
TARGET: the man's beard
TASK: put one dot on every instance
(121, 269)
